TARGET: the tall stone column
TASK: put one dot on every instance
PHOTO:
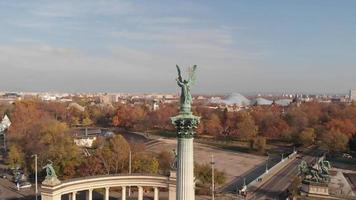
(185, 123)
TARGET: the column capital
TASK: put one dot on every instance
(185, 125)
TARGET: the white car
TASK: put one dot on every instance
(346, 155)
(24, 185)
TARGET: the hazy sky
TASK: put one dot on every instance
(133, 46)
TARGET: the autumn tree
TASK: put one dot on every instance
(145, 163)
(335, 141)
(305, 138)
(56, 109)
(15, 157)
(352, 143)
(213, 125)
(51, 141)
(161, 118)
(130, 116)
(246, 128)
(24, 115)
(202, 173)
(296, 119)
(91, 166)
(260, 144)
(113, 153)
(270, 124)
(87, 121)
(165, 159)
(344, 126)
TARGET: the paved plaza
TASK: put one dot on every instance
(233, 163)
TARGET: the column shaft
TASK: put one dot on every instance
(185, 171)
(89, 194)
(123, 193)
(74, 196)
(140, 193)
(156, 194)
(107, 194)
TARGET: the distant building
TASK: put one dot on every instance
(352, 95)
(76, 106)
(48, 97)
(10, 97)
(155, 105)
(109, 98)
(86, 137)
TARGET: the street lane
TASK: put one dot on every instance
(275, 186)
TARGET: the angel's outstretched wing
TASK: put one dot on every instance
(192, 75)
(179, 74)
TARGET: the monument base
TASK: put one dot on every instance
(51, 181)
(315, 189)
(173, 174)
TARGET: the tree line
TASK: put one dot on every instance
(44, 128)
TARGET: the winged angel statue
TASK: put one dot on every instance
(186, 97)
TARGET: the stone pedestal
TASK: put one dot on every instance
(51, 181)
(315, 189)
(172, 185)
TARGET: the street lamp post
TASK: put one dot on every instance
(212, 178)
(36, 185)
(282, 157)
(267, 163)
(130, 170)
(5, 147)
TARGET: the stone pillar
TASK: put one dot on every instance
(107, 193)
(156, 196)
(50, 197)
(89, 194)
(185, 172)
(185, 124)
(172, 185)
(123, 193)
(74, 196)
(140, 193)
(47, 189)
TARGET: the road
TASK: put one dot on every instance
(274, 188)
(249, 176)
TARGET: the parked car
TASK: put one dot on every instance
(24, 185)
(299, 156)
(346, 155)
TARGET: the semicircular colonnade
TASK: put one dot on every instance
(88, 184)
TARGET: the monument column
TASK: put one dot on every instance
(185, 123)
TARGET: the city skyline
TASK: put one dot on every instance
(125, 46)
